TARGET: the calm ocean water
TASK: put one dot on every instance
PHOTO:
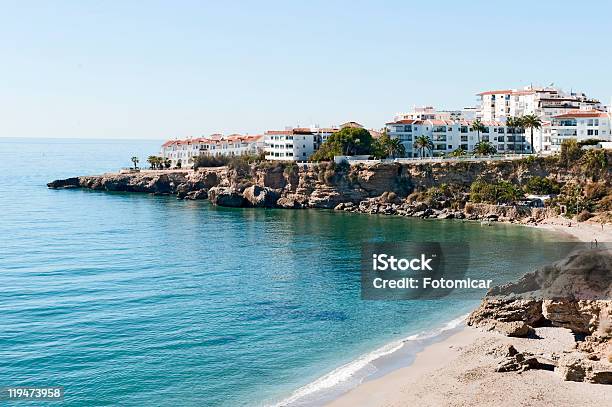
(131, 300)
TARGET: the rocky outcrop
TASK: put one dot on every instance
(67, 183)
(516, 361)
(574, 293)
(425, 190)
(225, 196)
(576, 368)
(260, 197)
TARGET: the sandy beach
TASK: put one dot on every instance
(584, 231)
(460, 371)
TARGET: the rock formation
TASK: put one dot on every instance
(573, 293)
(407, 189)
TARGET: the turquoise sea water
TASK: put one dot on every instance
(132, 300)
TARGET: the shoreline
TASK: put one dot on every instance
(384, 360)
(459, 371)
(441, 351)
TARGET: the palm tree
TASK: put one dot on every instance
(166, 162)
(395, 148)
(135, 160)
(458, 152)
(531, 121)
(478, 126)
(423, 143)
(484, 148)
(520, 127)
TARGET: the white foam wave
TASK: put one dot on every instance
(348, 371)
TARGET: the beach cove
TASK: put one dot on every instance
(172, 270)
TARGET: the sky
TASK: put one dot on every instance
(167, 69)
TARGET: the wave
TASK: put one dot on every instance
(348, 374)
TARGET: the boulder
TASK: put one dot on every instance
(291, 202)
(574, 367)
(514, 329)
(225, 196)
(196, 195)
(260, 197)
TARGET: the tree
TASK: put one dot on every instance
(179, 163)
(459, 152)
(396, 148)
(167, 163)
(484, 148)
(347, 141)
(531, 121)
(519, 125)
(135, 160)
(385, 146)
(422, 144)
(541, 186)
(478, 127)
(570, 152)
(154, 161)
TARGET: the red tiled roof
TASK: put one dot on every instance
(215, 139)
(581, 114)
(507, 92)
(447, 122)
(495, 92)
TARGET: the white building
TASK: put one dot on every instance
(543, 102)
(185, 151)
(430, 113)
(579, 125)
(295, 144)
(449, 135)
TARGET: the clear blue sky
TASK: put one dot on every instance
(161, 69)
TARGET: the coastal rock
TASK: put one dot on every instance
(513, 329)
(291, 202)
(196, 195)
(225, 196)
(67, 183)
(326, 198)
(579, 316)
(260, 197)
(493, 310)
(574, 367)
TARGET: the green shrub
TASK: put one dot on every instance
(570, 152)
(542, 186)
(203, 161)
(494, 193)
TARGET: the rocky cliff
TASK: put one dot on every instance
(413, 189)
(574, 293)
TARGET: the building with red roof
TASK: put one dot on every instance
(184, 151)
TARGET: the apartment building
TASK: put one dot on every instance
(185, 151)
(449, 135)
(579, 125)
(431, 113)
(544, 102)
(295, 144)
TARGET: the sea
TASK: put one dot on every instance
(136, 300)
